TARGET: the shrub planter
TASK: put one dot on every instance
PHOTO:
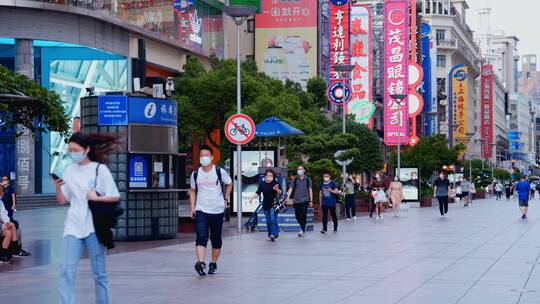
(426, 202)
(480, 195)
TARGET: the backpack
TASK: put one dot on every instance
(294, 186)
(218, 182)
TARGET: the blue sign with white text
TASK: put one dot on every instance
(138, 171)
(152, 111)
(112, 110)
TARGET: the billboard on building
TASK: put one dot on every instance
(286, 40)
(486, 93)
(460, 104)
(396, 66)
(361, 105)
(339, 38)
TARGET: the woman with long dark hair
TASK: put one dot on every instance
(83, 181)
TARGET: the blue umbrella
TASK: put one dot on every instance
(275, 127)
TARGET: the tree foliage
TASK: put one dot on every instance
(430, 155)
(24, 102)
(206, 98)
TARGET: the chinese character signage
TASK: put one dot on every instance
(112, 110)
(361, 105)
(286, 40)
(460, 84)
(339, 38)
(152, 111)
(396, 66)
(138, 171)
(286, 14)
(486, 97)
(25, 166)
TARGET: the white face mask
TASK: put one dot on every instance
(206, 161)
(300, 172)
(77, 157)
(326, 179)
(396, 179)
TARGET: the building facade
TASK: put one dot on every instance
(77, 47)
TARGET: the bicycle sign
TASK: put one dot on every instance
(240, 129)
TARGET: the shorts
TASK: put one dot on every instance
(465, 194)
(524, 203)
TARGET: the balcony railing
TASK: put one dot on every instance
(450, 43)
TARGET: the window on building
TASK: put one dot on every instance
(440, 35)
(428, 7)
(250, 57)
(439, 7)
(441, 61)
(251, 25)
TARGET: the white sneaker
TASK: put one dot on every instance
(348, 219)
(381, 216)
(301, 233)
(441, 216)
(355, 218)
(377, 218)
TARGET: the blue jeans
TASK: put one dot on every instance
(272, 222)
(73, 249)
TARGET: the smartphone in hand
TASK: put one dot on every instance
(55, 177)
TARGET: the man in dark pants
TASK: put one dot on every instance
(208, 204)
(301, 192)
(441, 189)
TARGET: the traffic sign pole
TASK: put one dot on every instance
(239, 129)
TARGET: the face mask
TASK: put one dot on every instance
(77, 157)
(377, 177)
(300, 172)
(326, 179)
(269, 179)
(205, 161)
(395, 179)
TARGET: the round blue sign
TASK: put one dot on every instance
(461, 75)
(339, 93)
(339, 2)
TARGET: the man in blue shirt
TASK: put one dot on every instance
(523, 189)
(328, 198)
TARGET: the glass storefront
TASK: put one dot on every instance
(196, 25)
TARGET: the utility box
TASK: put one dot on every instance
(146, 168)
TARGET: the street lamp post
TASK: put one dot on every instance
(469, 136)
(399, 99)
(495, 163)
(239, 14)
(342, 69)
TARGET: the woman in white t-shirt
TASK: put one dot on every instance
(77, 186)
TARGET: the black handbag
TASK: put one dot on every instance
(105, 217)
(279, 204)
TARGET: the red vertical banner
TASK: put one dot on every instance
(339, 39)
(361, 105)
(396, 71)
(487, 109)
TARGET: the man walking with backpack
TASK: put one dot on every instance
(301, 192)
(208, 203)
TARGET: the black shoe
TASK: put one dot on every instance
(5, 259)
(523, 217)
(212, 268)
(22, 253)
(200, 267)
(272, 238)
(323, 231)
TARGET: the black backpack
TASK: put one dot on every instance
(218, 182)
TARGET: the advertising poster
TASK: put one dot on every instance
(396, 63)
(486, 97)
(361, 105)
(286, 40)
(112, 110)
(410, 178)
(138, 171)
(252, 159)
(460, 104)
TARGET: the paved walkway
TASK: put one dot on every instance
(480, 254)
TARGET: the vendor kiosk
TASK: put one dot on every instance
(146, 168)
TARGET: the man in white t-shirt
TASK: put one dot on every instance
(208, 204)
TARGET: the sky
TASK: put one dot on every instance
(516, 17)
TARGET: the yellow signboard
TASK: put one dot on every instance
(460, 104)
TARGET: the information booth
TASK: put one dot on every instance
(147, 167)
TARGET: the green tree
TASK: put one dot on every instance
(23, 102)
(430, 155)
(501, 174)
